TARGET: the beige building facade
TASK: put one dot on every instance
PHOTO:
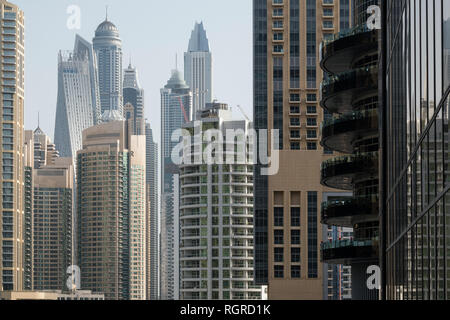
(287, 75)
(12, 95)
(111, 212)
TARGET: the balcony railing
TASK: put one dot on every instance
(339, 133)
(349, 211)
(348, 251)
(341, 172)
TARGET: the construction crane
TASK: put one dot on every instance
(242, 111)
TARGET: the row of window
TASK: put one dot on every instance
(279, 272)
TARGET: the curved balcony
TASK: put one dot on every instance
(340, 52)
(339, 134)
(348, 212)
(347, 252)
(338, 93)
(343, 172)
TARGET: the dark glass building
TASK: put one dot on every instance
(350, 94)
(415, 144)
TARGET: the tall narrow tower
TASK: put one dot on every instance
(108, 48)
(176, 102)
(134, 95)
(11, 153)
(78, 100)
(198, 68)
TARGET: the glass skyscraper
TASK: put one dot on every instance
(416, 153)
(198, 68)
(108, 48)
(176, 110)
(78, 100)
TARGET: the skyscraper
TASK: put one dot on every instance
(111, 211)
(52, 224)
(350, 94)
(12, 178)
(287, 76)
(216, 214)
(198, 68)
(176, 110)
(152, 179)
(108, 49)
(134, 95)
(415, 195)
(78, 101)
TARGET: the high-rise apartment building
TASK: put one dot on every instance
(12, 179)
(151, 181)
(52, 224)
(176, 110)
(337, 277)
(78, 105)
(111, 211)
(198, 68)
(133, 94)
(108, 49)
(216, 212)
(49, 238)
(287, 77)
(415, 181)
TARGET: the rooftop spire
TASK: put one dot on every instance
(199, 41)
(106, 19)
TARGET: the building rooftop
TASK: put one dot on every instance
(199, 41)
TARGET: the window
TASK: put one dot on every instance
(311, 122)
(279, 272)
(311, 110)
(278, 24)
(295, 134)
(278, 254)
(278, 36)
(312, 235)
(295, 236)
(295, 97)
(278, 49)
(312, 146)
(295, 255)
(295, 145)
(327, 24)
(295, 110)
(295, 217)
(328, 12)
(311, 134)
(278, 215)
(278, 12)
(311, 97)
(278, 236)
(295, 122)
(295, 272)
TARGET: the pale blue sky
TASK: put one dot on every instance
(152, 32)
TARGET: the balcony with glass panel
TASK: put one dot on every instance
(350, 211)
(339, 92)
(347, 252)
(339, 52)
(344, 172)
(340, 134)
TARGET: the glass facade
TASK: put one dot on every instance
(260, 122)
(416, 159)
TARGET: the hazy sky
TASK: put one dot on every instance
(152, 31)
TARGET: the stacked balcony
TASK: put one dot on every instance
(350, 93)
